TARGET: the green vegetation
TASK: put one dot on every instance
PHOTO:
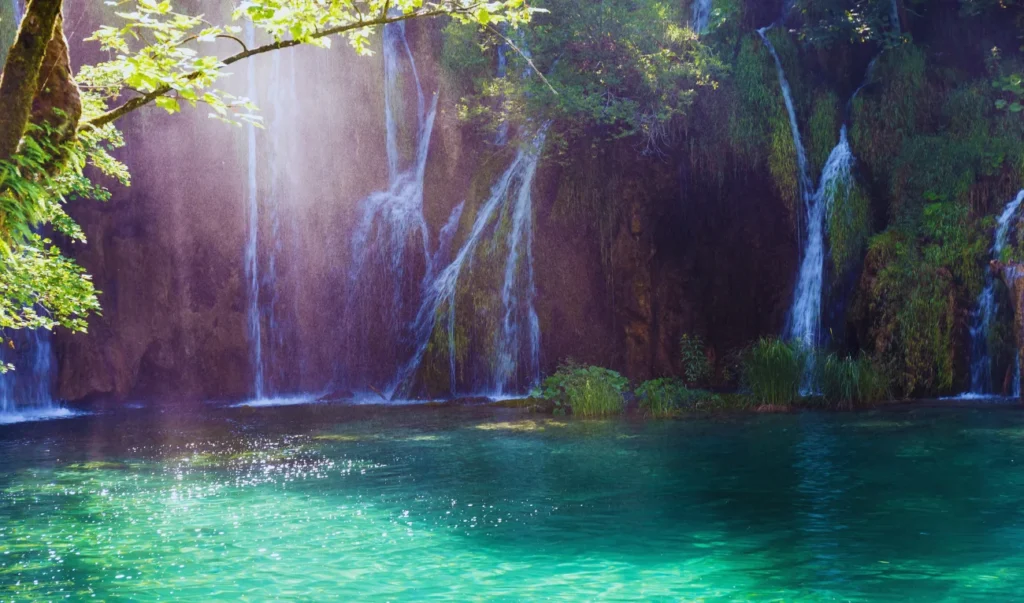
(620, 68)
(668, 397)
(697, 369)
(913, 286)
(774, 370)
(848, 382)
(586, 391)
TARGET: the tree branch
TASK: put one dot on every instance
(139, 102)
(526, 57)
(20, 77)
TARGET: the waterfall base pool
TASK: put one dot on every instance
(335, 503)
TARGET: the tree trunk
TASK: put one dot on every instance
(20, 78)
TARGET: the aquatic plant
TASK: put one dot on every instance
(773, 371)
(586, 391)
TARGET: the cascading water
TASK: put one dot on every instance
(803, 323)
(988, 308)
(519, 291)
(267, 153)
(701, 15)
(502, 136)
(836, 182)
(390, 247)
(511, 197)
(26, 393)
(894, 15)
(804, 317)
(252, 268)
(803, 179)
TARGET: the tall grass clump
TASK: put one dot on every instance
(664, 398)
(848, 382)
(773, 370)
(586, 391)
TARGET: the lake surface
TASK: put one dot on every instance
(319, 503)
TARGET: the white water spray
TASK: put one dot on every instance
(392, 238)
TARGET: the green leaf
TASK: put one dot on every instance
(168, 104)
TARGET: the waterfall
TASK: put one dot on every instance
(390, 246)
(252, 268)
(701, 15)
(267, 186)
(803, 179)
(836, 181)
(804, 317)
(988, 308)
(512, 188)
(26, 393)
(519, 290)
(894, 15)
(1016, 376)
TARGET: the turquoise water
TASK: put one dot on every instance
(324, 503)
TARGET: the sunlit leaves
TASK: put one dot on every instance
(41, 288)
(626, 68)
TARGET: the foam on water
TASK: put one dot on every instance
(280, 401)
(38, 414)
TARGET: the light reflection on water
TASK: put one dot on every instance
(347, 504)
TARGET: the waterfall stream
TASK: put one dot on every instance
(804, 317)
(701, 15)
(510, 197)
(836, 181)
(804, 320)
(988, 309)
(252, 268)
(391, 260)
(270, 321)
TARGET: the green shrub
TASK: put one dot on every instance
(586, 391)
(773, 370)
(696, 366)
(846, 382)
(662, 398)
